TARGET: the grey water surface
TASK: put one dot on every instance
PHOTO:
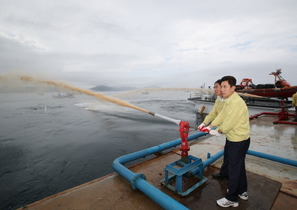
(49, 145)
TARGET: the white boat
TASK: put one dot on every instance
(63, 95)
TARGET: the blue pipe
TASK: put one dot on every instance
(273, 158)
(207, 162)
(213, 158)
(138, 180)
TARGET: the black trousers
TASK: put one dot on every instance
(234, 167)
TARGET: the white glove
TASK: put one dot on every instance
(215, 133)
(205, 129)
(202, 125)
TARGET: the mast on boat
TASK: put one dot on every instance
(279, 81)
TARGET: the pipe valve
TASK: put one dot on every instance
(184, 132)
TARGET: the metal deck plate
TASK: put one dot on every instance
(113, 192)
(262, 193)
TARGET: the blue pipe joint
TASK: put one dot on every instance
(135, 179)
(211, 159)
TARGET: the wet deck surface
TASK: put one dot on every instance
(205, 198)
(114, 192)
(271, 185)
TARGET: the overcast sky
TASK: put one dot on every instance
(172, 43)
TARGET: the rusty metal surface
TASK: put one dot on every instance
(262, 193)
(113, 192)
(108, 193)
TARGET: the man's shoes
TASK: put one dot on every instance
(244, 196)
(223, 202)
(219, 176)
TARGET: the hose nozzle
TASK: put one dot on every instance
(165, 118)
(152, 113)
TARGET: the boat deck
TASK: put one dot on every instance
(271, 185)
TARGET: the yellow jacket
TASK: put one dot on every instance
(217, 107)
(294, 99)
(233, 120)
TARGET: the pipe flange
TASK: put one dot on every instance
(135, 178)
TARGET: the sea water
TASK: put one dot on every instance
(49, 145)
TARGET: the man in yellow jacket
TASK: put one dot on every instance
(218, 105)
(233, 121)
(294, 104)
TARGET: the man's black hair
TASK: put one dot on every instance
(218, 81)
(231, 80)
